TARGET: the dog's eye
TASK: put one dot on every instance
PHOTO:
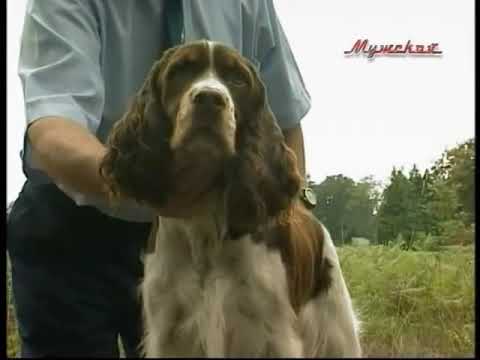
(180, 66)
(236, 79)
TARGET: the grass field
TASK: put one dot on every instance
(411, 303)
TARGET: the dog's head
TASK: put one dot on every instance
(201, 123)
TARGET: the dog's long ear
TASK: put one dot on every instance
(264, 178)
(138, 159)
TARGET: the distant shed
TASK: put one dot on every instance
(359, 241)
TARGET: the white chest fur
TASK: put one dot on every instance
(207, 297)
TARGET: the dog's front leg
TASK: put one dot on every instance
(160, 315)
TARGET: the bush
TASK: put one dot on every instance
(466, 236)
(456, 233)
(431, 243)
(420, 237)
(399, 242)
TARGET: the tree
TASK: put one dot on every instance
(417, 217)
(333, 196)
(347, 208)
(396, 203)
(444, 204)
(456, 170)
(361, 209)
(441, 201)
(427, 197)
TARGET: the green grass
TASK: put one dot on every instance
(410, 303)
(12, 334)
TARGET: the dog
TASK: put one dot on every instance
(252, 272)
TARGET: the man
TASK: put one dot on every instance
(76, 262)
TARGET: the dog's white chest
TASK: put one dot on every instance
(205, 299)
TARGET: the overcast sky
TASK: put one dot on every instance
(366, 116)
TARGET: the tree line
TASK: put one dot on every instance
(436, 206)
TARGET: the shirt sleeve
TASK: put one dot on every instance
(288, 97)
(59, 64)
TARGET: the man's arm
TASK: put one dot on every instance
(64, 97)
(64, 92)
(287, 94)
(68, 153)
(71, 156)
(294, 140)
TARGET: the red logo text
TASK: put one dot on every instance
(362, 47)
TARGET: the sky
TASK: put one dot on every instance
(366, 116)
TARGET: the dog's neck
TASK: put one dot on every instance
(204, 231)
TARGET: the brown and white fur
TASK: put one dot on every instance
(253, 273)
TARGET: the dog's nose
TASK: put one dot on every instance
(209, 97)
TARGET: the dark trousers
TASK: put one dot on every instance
(75, 276)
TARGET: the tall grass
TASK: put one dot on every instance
(13, 346)
(411, 303)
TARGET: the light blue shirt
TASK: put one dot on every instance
(85, 59)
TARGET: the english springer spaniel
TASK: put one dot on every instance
(253, 273)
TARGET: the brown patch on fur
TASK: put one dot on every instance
(299, 237)
(137, 163)
(263, 183)
(263, 178)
